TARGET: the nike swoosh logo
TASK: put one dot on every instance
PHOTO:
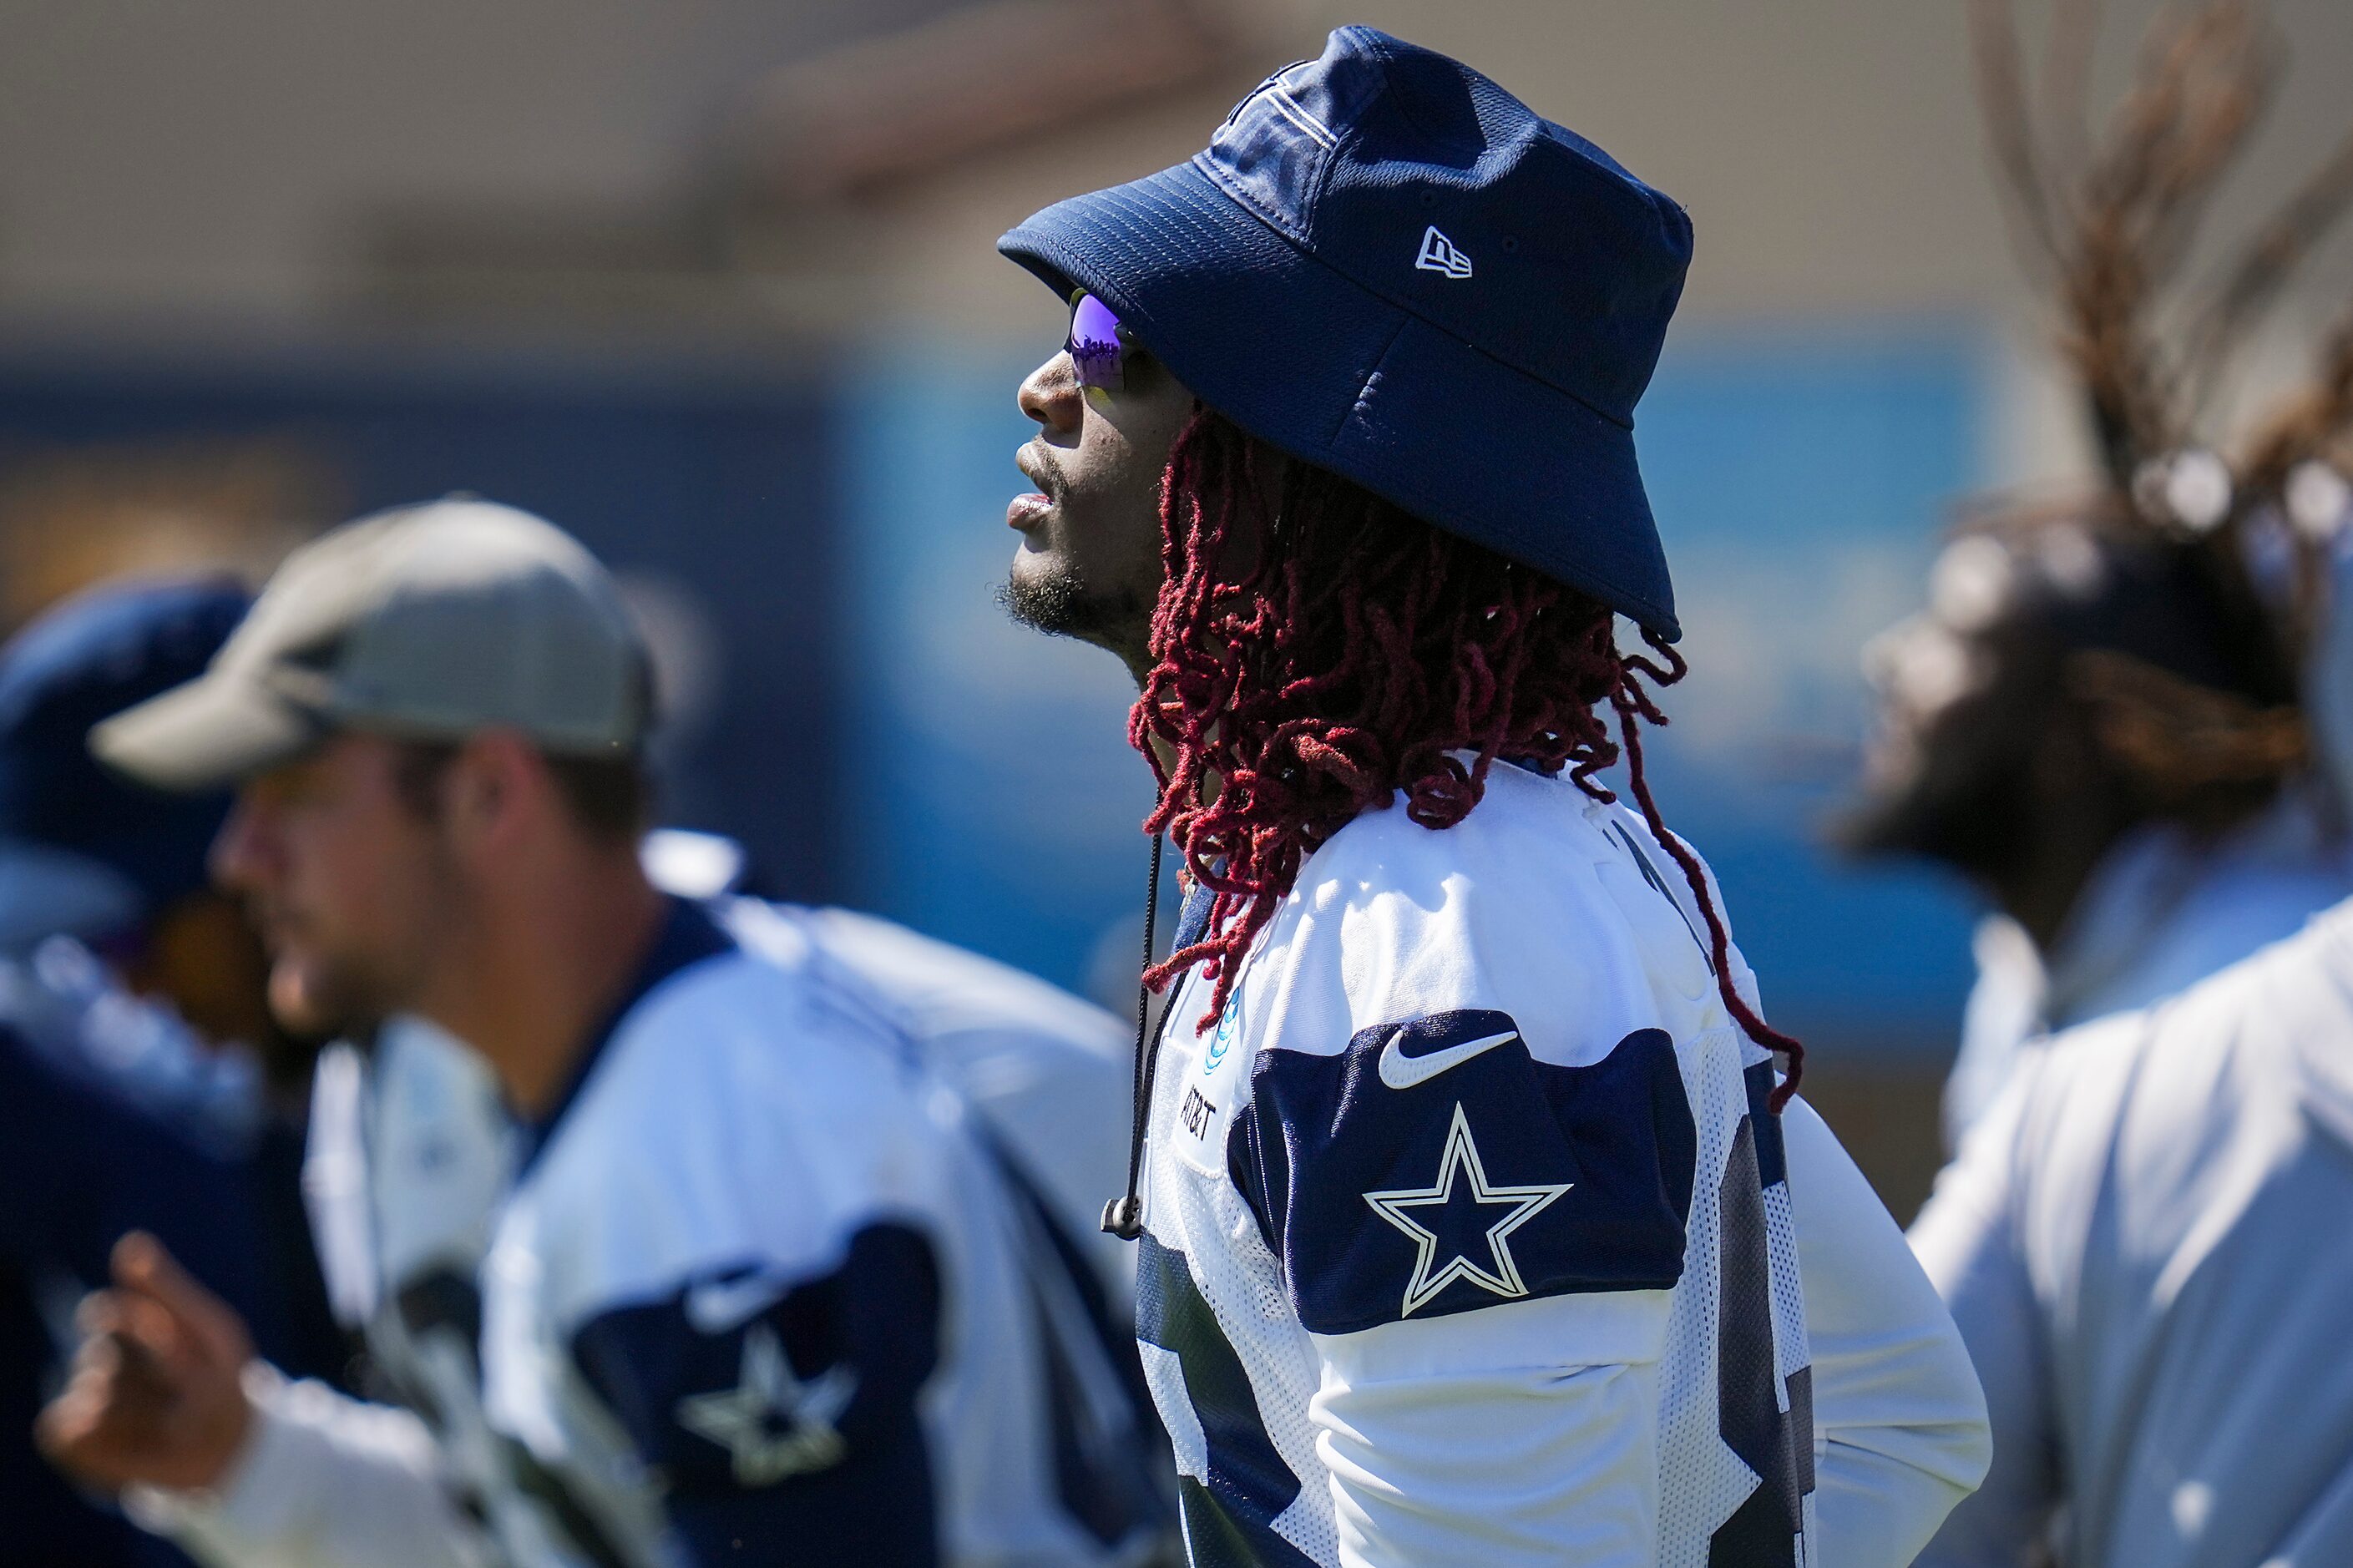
(716, 1306)
(1401, 1071)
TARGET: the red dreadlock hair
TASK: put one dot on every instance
(1360, 651)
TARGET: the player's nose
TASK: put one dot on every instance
(1051, 395)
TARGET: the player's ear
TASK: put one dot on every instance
(486, 787)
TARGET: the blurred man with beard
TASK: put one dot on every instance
(749, 1283)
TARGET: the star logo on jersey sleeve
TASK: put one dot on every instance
(771, 1423)
(1454, 1218)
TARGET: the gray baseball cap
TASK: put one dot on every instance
(428, 623)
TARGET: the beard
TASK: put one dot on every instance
(1057, 601)
(322, 989)
(318, 1003)
(1974, 822)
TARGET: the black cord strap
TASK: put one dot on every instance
(1124, 1216)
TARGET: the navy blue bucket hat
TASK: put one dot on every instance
(1385, 265)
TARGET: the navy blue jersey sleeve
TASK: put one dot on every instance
(785, 1422)
(1435, 1166)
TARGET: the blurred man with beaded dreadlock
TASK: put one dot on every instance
(2084, 723)
(1475, 1224)
(2095, 720)
(2141, 1236)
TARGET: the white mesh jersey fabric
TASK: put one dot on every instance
(1795, 1357)
(1204, 1222)
(1702, 1481)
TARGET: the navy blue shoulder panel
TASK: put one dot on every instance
(781, 1416)
(1193, 919)
(1436, 1166)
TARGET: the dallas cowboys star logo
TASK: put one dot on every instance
(1524, 1204)
(742, 1419)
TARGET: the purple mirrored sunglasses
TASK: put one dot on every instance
(1096, 344)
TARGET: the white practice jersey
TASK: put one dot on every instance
(1046, 1073)
(759, 1286)
(1469, 1237)
(2142, 1241)
(2163, 910)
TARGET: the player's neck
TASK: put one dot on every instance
(550, 955)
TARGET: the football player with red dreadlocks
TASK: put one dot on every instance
(1475, 1222)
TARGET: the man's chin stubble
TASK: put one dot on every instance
(1058, 603)
(326, 1012)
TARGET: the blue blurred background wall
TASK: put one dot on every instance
(821, 551)
(991, 796)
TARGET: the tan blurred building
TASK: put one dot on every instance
(644, 161)
(751, 179)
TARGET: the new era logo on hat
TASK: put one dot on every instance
(1439, 254)
(1267, 274)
